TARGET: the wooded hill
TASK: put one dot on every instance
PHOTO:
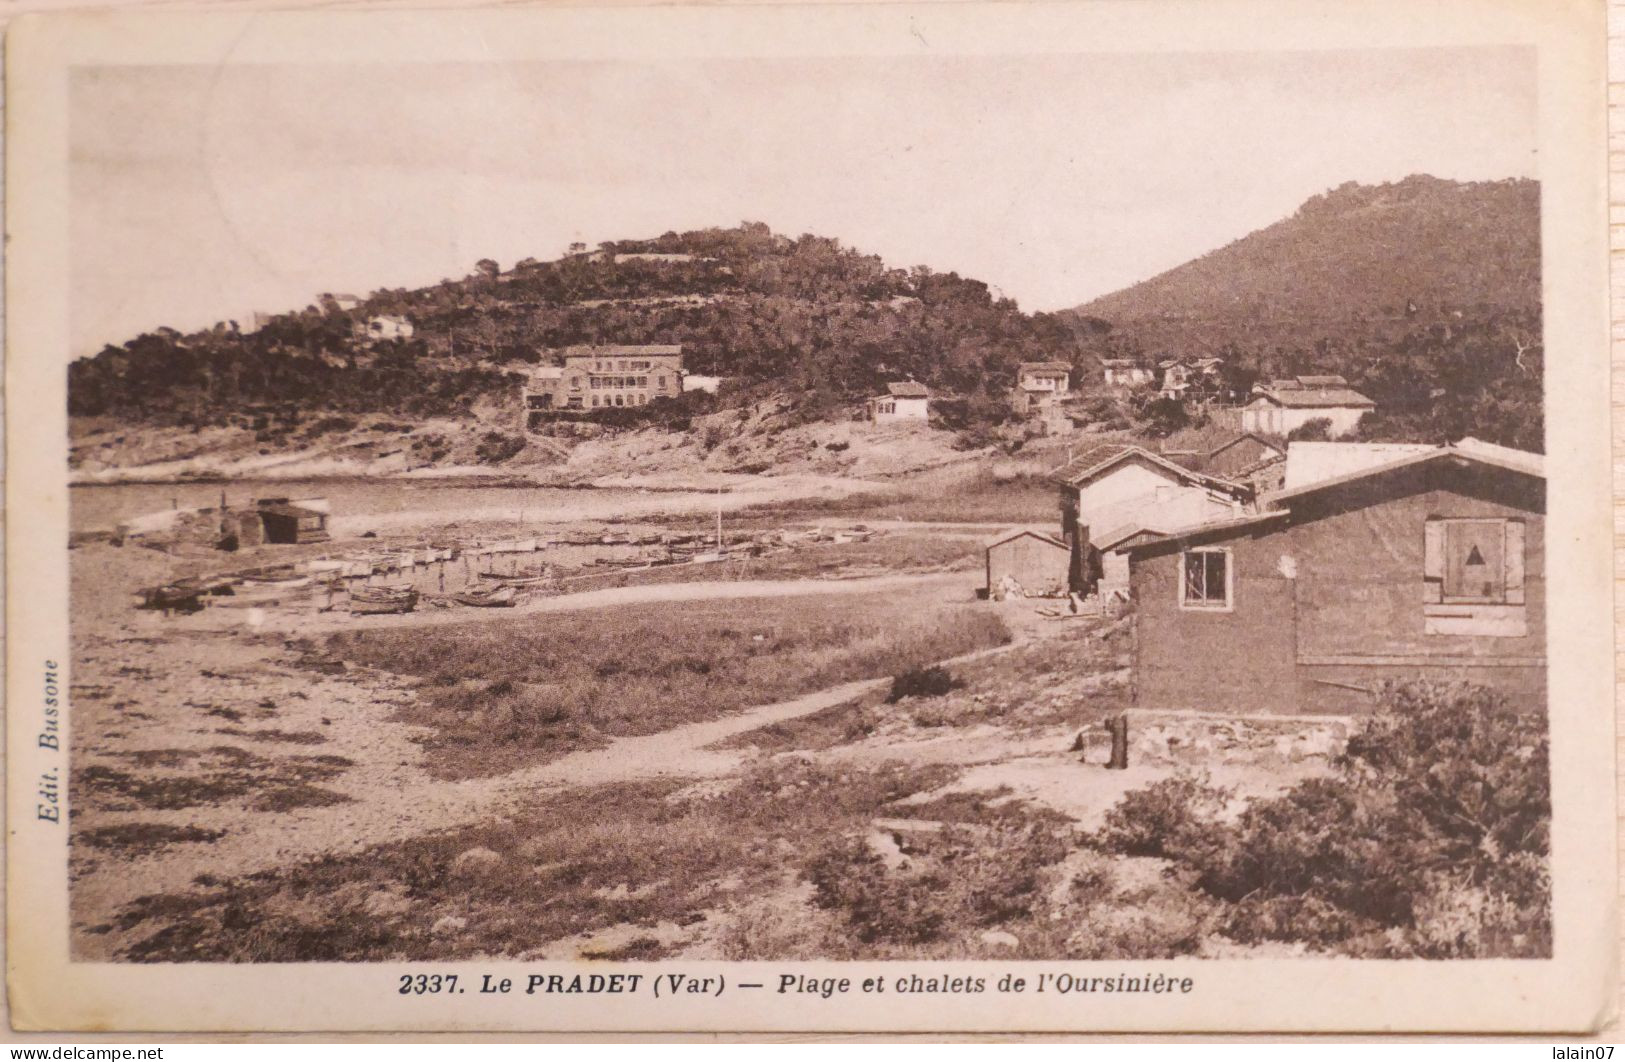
(805, 316)
(1425, 293)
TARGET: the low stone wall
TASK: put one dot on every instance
(1192, 740)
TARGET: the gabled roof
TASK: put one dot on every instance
(1243, 437)
(1045, 366)
(1118, 363)
(907, 389)
(1468, 451)
(1322, 381)
(1099, 459)
(1016, 532)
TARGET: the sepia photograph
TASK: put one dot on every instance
(918, 505)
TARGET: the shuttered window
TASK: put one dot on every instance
(1473, 562)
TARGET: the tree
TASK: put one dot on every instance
(488, 267)
(1316, 429)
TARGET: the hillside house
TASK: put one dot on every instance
(1283, 406)
(602, 377)
(1028, 561)
(907, 401)
(1111, 493)
(1040, 384)
(1426, 566)
(1124, 373)
(1184, 376)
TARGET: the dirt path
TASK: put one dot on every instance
(387, 810)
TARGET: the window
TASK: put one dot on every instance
(595, 400)
(643, 381)
(1205, 579)
(1473, 562)
(662, 381)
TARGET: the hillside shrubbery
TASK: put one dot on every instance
(1431, 840)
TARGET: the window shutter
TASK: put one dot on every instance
(1514, 562)
(1433, 562)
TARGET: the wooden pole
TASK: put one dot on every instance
(1118, 725)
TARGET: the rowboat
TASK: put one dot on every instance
(377, 600)
(496, 597)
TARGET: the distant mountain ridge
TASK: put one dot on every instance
(1378, 256)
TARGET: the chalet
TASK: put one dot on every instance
(1124, 372)
(1112, 492)
(1282, 406)
(602, 377)
(1028, 561)
(1429, 565)
(1040, 384)
(907, 401)
(1176, 377)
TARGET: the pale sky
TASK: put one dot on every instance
(203, 193)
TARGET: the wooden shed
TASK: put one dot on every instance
(1033, 560)
(287, 523)
(1429, 566)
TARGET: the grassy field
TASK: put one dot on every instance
(501, 696)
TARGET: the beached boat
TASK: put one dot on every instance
(495, 597)
(376, 600)
(172, 597)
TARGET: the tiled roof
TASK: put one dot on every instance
(1317, 397)
(621, 350)
(1045, 366)
(1099, 458)
(908, 389)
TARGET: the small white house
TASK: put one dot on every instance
(1282, 406)
(1124, 372)
(907, 401)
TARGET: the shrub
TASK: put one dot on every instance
(1431, 839)
(496, 447)
(1171, 816)
(1316, 429)
(930, 681)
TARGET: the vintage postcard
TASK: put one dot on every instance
(1070, 517)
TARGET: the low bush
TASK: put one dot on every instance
(930, 681)
(1431, 839)
(1170, 817)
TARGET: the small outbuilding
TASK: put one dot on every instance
(902, 402)
(1026, 561)
(287, 523)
